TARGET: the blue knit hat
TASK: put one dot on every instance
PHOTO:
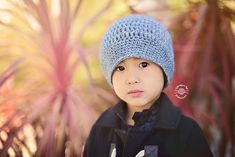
(137, 36)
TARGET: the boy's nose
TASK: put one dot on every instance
(133, 80)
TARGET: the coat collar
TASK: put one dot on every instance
(168, 116)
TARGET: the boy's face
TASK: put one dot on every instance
(138, 82)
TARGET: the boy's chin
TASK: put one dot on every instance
(138, 104)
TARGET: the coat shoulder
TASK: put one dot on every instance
(107, 118)
(187, 123)
(193, 139)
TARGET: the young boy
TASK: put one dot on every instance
(138, 62)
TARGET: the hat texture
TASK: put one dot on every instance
(137, 36)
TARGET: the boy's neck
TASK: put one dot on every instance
(129, 115)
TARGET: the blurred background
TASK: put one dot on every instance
(52, 89)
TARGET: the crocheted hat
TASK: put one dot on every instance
(137, 36)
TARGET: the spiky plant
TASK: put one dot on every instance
(205, 54)
(56, 120)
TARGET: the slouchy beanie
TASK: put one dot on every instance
(138, 36)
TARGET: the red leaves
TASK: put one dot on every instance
(205, 63)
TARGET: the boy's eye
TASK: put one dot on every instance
(143, 64)
(120, 68)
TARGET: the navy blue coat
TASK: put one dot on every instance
(161, 131)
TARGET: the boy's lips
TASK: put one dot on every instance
(135, 93)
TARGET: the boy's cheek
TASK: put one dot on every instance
(117, 79)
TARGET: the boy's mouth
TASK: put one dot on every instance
(135, 93)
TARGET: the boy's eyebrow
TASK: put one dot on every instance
(136, 60)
